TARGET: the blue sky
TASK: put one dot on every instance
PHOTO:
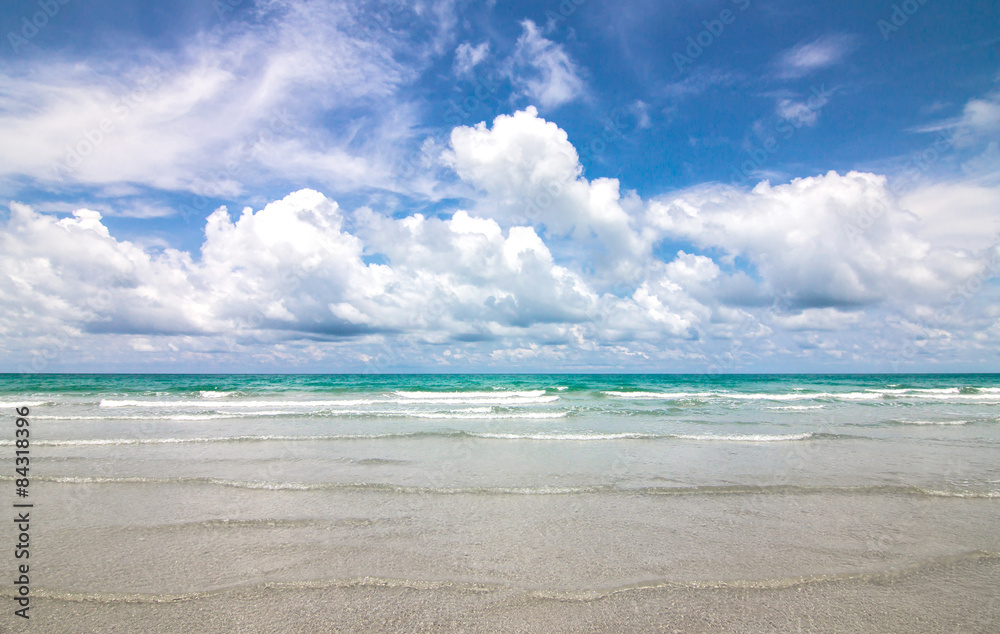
(725, 186)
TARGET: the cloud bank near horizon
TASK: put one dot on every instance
(544, 268)
(307, 185)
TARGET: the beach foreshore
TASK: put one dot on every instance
(156, 557)
(504, 504)
(956, 597)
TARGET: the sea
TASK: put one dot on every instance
(502, 502)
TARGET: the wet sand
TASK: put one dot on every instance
(131, 557)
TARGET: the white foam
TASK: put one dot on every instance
(745, 437)
(200, 416)
(172, 441)
(657, 395)
(497, 393)
(21, 403)
(933, 422)
(490, 416)
(214, 394)
(248, 403)
(485, 399)
(741, 396)
(962, 494)
(583, 437)
(795, 408)
(501, 400)
(914, 390)
(177, 417)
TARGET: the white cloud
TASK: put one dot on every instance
(122, 207)
(982, 115)
(574, 281)
(979, 121)
(821, 319)
(542, 70)
(808, 57)
(802, 111)
(973, 137)
(236, 105)
(829, 240)
(641, 111)
(956, 215)
(531, 174)
(467, 57)
(797, 112)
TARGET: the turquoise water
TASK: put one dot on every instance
(541, 490)
(530, 433)
(746, 383)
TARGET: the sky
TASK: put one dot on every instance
(449, 186)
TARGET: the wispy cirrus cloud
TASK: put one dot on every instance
(808, 57)
(980, 116)
(543, 71)
(467, 56)
(246, 102)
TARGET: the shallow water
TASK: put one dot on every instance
(366, 491)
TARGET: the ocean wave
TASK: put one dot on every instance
(569, 436)
(497, 393)
(657, 395)
(535, 436)
(764, 396)
(324, 486)
(795, 408)
(747, 437)
(479, 414)
(944, 394)
(265, 590)
(174, 417)
(490, 416)
(470, 413)
(24, 403)
(505, 401)
(85, 442)
(386, 487)
(928, 422)
(111, 403)
(792, 489)
(214, 394)
(502, 400)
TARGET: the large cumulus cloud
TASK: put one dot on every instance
(541, 266)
